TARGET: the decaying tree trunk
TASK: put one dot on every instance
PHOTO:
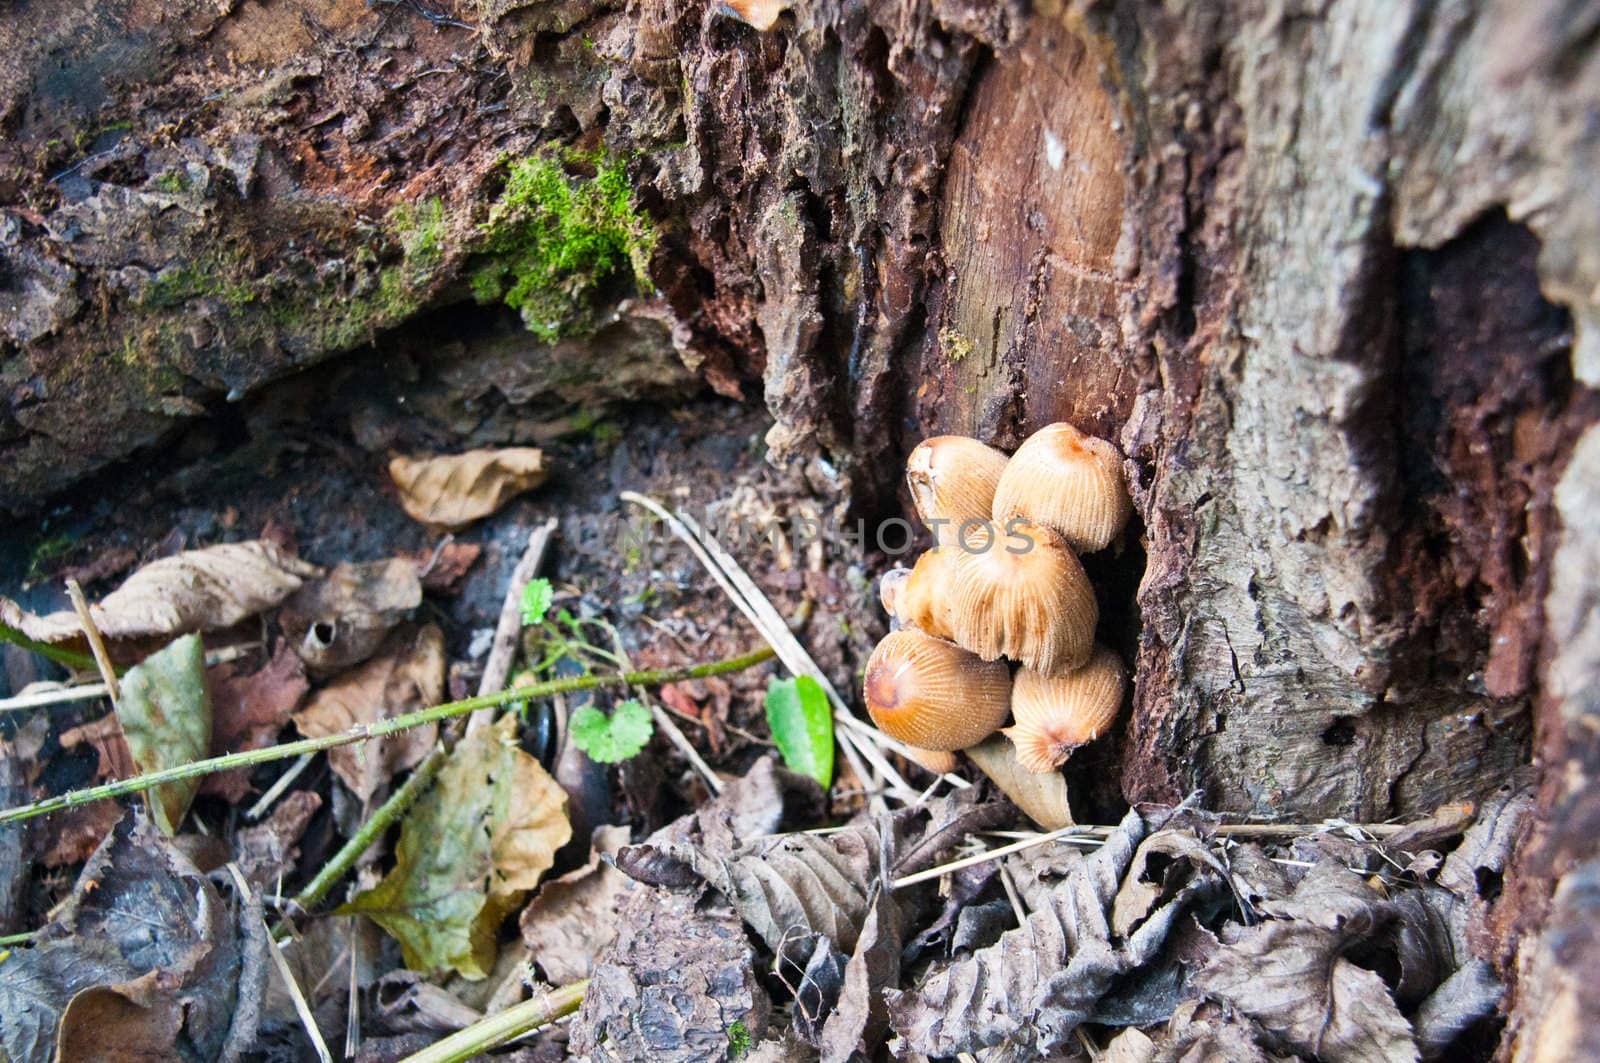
(1329, 272)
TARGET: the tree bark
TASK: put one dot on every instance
(1330, 274)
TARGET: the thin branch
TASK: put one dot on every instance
(377, 823)
(302, 1007)
(503, 650)
(102, 659)
(377, 729)
(504, 1026)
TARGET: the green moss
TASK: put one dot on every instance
(214, 276)
(955, 345)
(554, 240)
(421, 232)
(171, 183)
(738, 1039)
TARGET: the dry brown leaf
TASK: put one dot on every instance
(104, 736)
(574, 917)
(442, 569)
(405, 676)
(248, 711)
(454, 490)
(197, 590)
(268, 850)
(341, 619)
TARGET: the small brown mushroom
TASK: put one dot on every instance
(1069, 481)
(1020, 592)
(1057, 714)
(933, 694)
(920, 596)
(937, 761)
(952, 481)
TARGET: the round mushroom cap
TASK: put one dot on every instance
(953, 480)
(922, 599)
(1057, 714)
(1069, 481)
(1020, 592)
(933, 694)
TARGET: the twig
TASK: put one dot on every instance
(61, 695)
(279, 785)
(992, 854)
(381, 820)
(80, 662)
(503, 651)
(504, 1026)
(292, 984)
(102, 659)
(376, 729)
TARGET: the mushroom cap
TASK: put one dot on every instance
(952, 480)
(933, 694)
(892, 591)
(922, 598)
(1025, 596)
(1069, 481)
(937, 761)
(1058, 713)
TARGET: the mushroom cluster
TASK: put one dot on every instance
(1002, 587)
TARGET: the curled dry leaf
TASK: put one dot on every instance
(454, 490)
(341, 619)
(145, 951)
(1288, 975)
(407, 675)
(268, 850)
(573, 918)
(469, 850)
(1039, 982)
(197, 590)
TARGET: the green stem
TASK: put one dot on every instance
(66, 658)
(503, 1026)
(380, 821)
(379, 729)
(17, 939)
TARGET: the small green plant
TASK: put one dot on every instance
(738, 1040)
(536, 598)
(615, 738)
(554, 239)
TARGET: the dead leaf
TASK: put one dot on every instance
(341, 619)
(861, 1017)
(482, 836)
(441, 570)
(1042, 797)
(405, 676)
(267, 850)
(1039, 982)
(789, 887)
(165, 712)
(144, 940)
(1181, 852)
(248, 711)
(454, 490)
(198, 590)
(1288, 974)
(104, 736)
(573, 918)
(77, 832)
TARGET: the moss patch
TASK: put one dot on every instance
(555, 239)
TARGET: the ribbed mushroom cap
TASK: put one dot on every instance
(953, 479)
(1069, 481)
(1025, 597)
(1057, 714)
(933, 694)
(922, 599)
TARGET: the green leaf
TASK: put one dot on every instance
(165, 712)
(536, 598)
(615, 738)
(802, 726)
(469, 851)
